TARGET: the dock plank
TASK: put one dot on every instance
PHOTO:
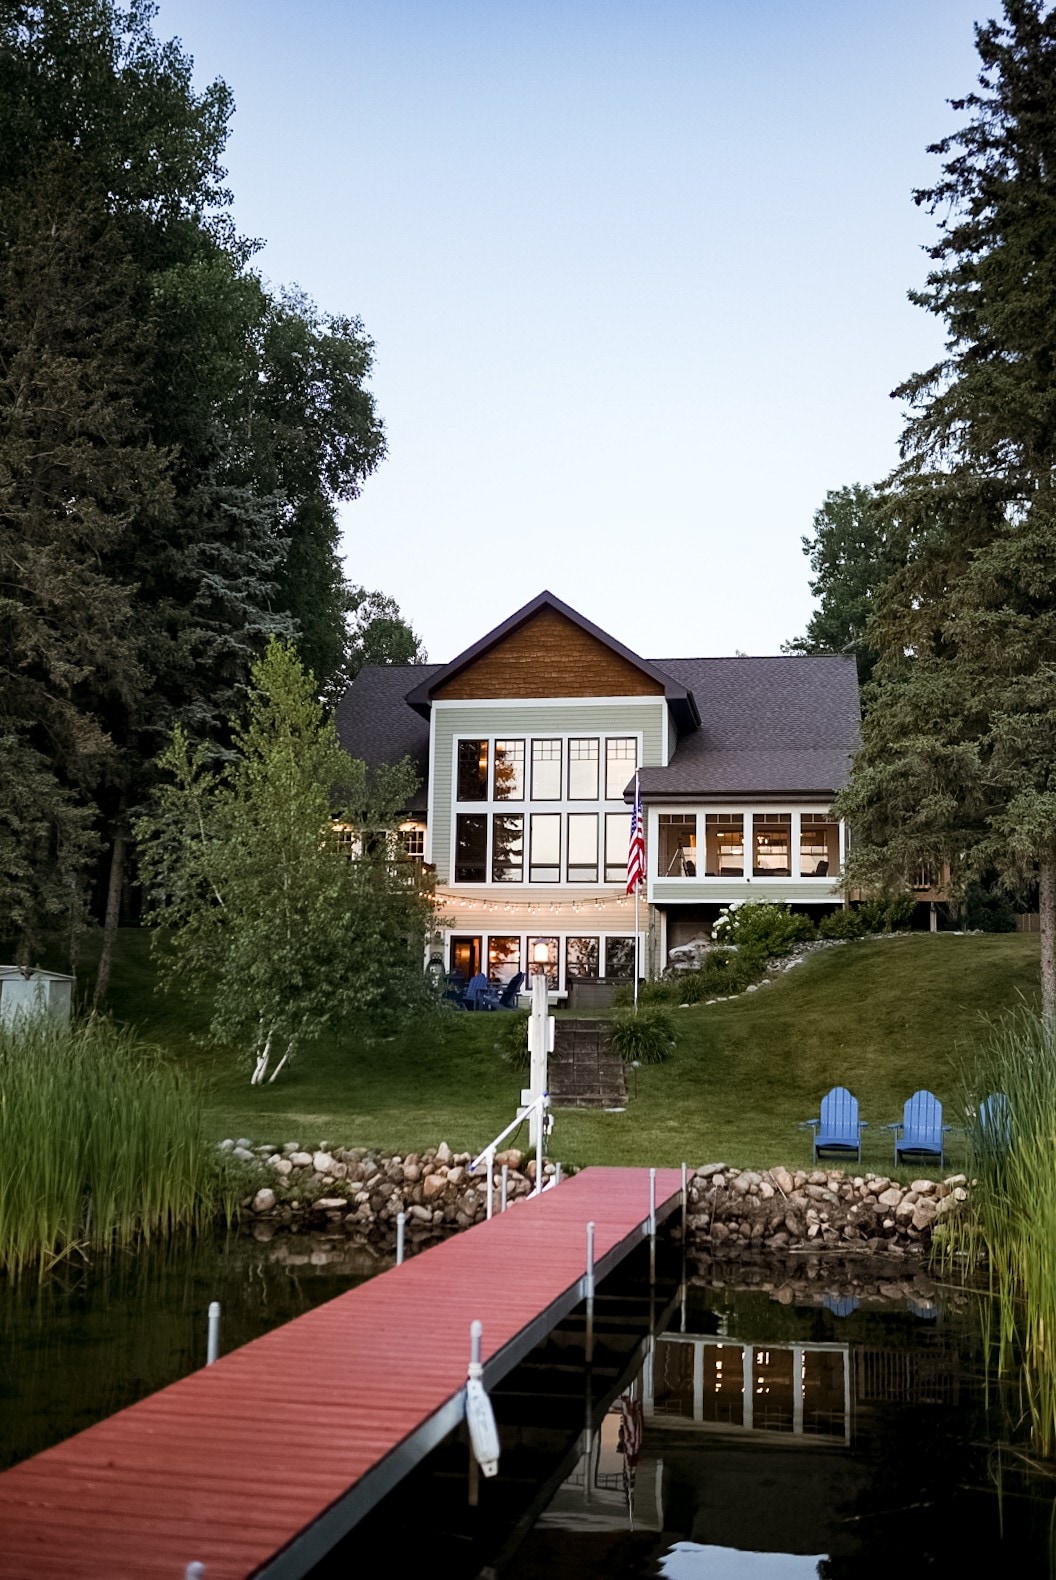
(361, 1388)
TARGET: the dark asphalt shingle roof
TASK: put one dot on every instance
(770, 726)
(375, 724)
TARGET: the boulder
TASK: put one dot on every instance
(264, 1200)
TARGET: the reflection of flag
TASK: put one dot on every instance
(636, 847)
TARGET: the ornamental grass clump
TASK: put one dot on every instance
(1010, 1221)
(643, 1037)
(101, 1143)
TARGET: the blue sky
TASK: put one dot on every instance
(636, 275)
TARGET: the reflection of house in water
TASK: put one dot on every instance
(615, 1485)
(720, 1385)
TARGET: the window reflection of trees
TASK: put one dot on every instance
(507, 850)
(582, 957)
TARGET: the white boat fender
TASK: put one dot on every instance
(480, 1417)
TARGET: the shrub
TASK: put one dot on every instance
(648, 993)
(645, 1037)
(763, 928)
(844, 924)
(988, 910)
(888, 913)
(512, 1037)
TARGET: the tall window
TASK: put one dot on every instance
(472, 770)
(471, 848)
(546, 770)
(507, 848)
(504, 958)
(621, 761)
(509, 770)
(582, 847)
(582, 957)
(583, 770)
(617, 839)
(544, 861)
(619, 957)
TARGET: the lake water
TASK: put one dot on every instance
(756, 1423)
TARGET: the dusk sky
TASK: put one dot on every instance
(636, 275)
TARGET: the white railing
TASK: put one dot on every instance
(540, 1104)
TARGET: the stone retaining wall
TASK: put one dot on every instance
(730, 1210)
(363, 1191)
(780, 1210)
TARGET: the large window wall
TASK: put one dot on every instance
(760, 843)
(542, 809)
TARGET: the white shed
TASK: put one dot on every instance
(34, 992)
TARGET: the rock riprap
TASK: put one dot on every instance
(782, 1209)
(364, 1191)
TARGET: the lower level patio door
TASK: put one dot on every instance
(466, 956)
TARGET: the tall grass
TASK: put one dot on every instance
(1011, 1220)
(101, 1143)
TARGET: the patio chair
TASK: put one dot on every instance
(838, 1130)
(922, 1129)
(995, 1123)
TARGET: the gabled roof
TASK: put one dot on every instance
(677, 695)
(771, 726)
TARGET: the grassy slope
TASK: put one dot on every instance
(882, 1018)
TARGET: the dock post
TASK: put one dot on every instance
(489, 1164)
(212, 1343)
(588, 1284)
(401, 1220)
(557, 1173)
(195, 1571)
(685, 1198)
(505, 1186)
(652, 1226)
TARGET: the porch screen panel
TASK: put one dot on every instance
(819, 845)
(544, 860)
(772, 844)
(677, 845)
(583, 847)
(724, 845)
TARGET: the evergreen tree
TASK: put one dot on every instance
(850, 556)
(959, 755)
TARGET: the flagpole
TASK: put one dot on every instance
(637, 886)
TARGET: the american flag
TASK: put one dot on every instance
(636, 848)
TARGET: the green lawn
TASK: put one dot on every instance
(882, 1018)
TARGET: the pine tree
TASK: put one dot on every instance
(959, 756)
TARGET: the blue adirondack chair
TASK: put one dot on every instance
(838, 1130)
(922, 1129)
(840, 1305)
(995, 1123)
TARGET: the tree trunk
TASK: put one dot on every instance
(113, 917)
(1047, 908)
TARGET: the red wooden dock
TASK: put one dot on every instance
(257, 1465)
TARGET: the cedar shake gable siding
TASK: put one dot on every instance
(548, 656)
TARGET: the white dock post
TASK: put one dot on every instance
(212, 1344)
(652, 1226)
(505, 1186)
(401, 1220)
(589, 1290)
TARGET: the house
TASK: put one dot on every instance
(528, 744)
